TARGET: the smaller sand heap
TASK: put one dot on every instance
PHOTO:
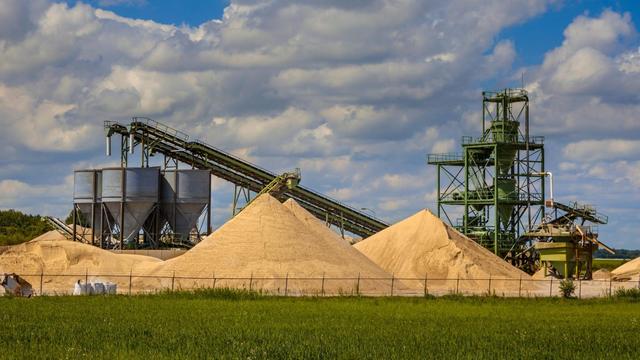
(627, 271)
(69, 261)
(602, 274)
(269, 240)
(423, 246)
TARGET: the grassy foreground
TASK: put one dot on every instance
(239, 325)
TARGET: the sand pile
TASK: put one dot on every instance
(422, 245)
(49, 255)
(56, 235)
(627, 271)
(541, 275)
(51, 235)
(268, 239)
(602, 274)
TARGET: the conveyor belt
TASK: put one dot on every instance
(175, 144)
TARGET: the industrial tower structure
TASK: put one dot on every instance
(493, 191)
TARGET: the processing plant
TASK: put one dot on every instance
(493, 192)
(496, 187)
(496, 183)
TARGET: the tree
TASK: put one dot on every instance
(80, 219)
(16, 227)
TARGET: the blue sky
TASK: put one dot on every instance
(189, 12)
(353, 93)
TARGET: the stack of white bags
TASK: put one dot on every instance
(95, 288)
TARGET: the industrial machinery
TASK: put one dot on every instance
(567, 237)
(496, 184)
(87, 198)
(139, 207)
(14, 285)
(185, 196)
(66, 230)
(153, 138)
(566, 244)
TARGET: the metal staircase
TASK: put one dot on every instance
(156, 138)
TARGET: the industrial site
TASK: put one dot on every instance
(148, 229)
(363, 179)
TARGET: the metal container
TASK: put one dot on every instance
(130, 195)
(87, 194)
(184, 196)
(87, 186)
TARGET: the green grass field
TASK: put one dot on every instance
(237, 325)
(608, 264)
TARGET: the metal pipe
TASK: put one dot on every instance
(108, 140)
(131, 143)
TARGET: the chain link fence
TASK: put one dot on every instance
(288, 285)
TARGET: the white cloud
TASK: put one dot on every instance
(443, 146)
(598, 150)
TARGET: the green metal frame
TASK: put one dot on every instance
(494, 185)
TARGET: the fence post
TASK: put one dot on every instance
(173, 280)
(639, 282)
(393, 278)
(520, 286)
(579, 288)
(457, 284)
(610, 287)
(251, 282)
(426, 291)
(286, 285)
(550, 287)
(86, 280)
(489, 284)
(41, 277)
(358, 286)
(214, 281)
(130, 280)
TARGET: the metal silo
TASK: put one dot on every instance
(185, 195)
(130, 195)
(87, 191)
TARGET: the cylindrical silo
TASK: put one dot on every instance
(130, 195)
(87, 194)
(185, 194)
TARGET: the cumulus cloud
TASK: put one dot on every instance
(590, 82)
(598, 150)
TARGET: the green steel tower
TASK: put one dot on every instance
(493, 191)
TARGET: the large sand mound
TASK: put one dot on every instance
(423, 246)
(627, 271)
(51, 235)
(267, 240)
